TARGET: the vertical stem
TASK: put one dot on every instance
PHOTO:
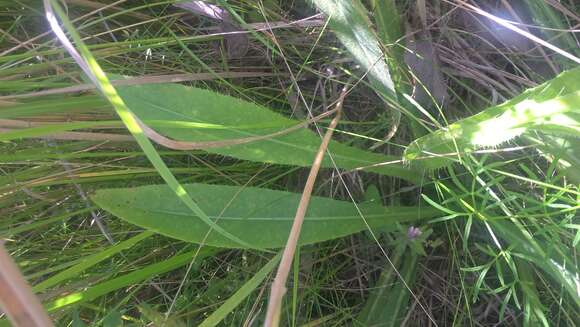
(16, 297)
(279, 284)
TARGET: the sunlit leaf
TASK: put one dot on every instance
(553, 107)
(349, 21)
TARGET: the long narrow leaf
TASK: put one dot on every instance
(260, 217)
(179, 105)
(90, 261)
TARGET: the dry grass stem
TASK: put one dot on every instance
(278, 286)
(16, 297)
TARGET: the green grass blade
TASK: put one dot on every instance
(375, 310)
(542, 255)
(390, 31)
(91, 261)
(46, 106)
(243, 292)
(129, 279)
(43, 222)
(533, 309)
(109, 92)
(544, 15)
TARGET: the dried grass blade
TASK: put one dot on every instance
(278, 286)
(16, 297)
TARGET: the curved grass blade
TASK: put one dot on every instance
(92, 69)
(260, 217)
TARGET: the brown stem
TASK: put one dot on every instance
(16, 297)
(184, 145)
(279, 284)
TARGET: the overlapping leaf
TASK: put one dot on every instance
(260, 217)
(209, 116)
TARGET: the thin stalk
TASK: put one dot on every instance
(279, 284)
(16, 297)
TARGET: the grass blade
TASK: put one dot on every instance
(96, 74)
(91, 261)
(134, 277)
(243, 292)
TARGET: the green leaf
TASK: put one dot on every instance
(195, 115)
(349, 21)
(260, 217)
(555, 262)
(562, 150)
(92, 69)
(552, 107)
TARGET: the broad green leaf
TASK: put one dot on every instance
(553, 107)
(259, 217)
(195, 115)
